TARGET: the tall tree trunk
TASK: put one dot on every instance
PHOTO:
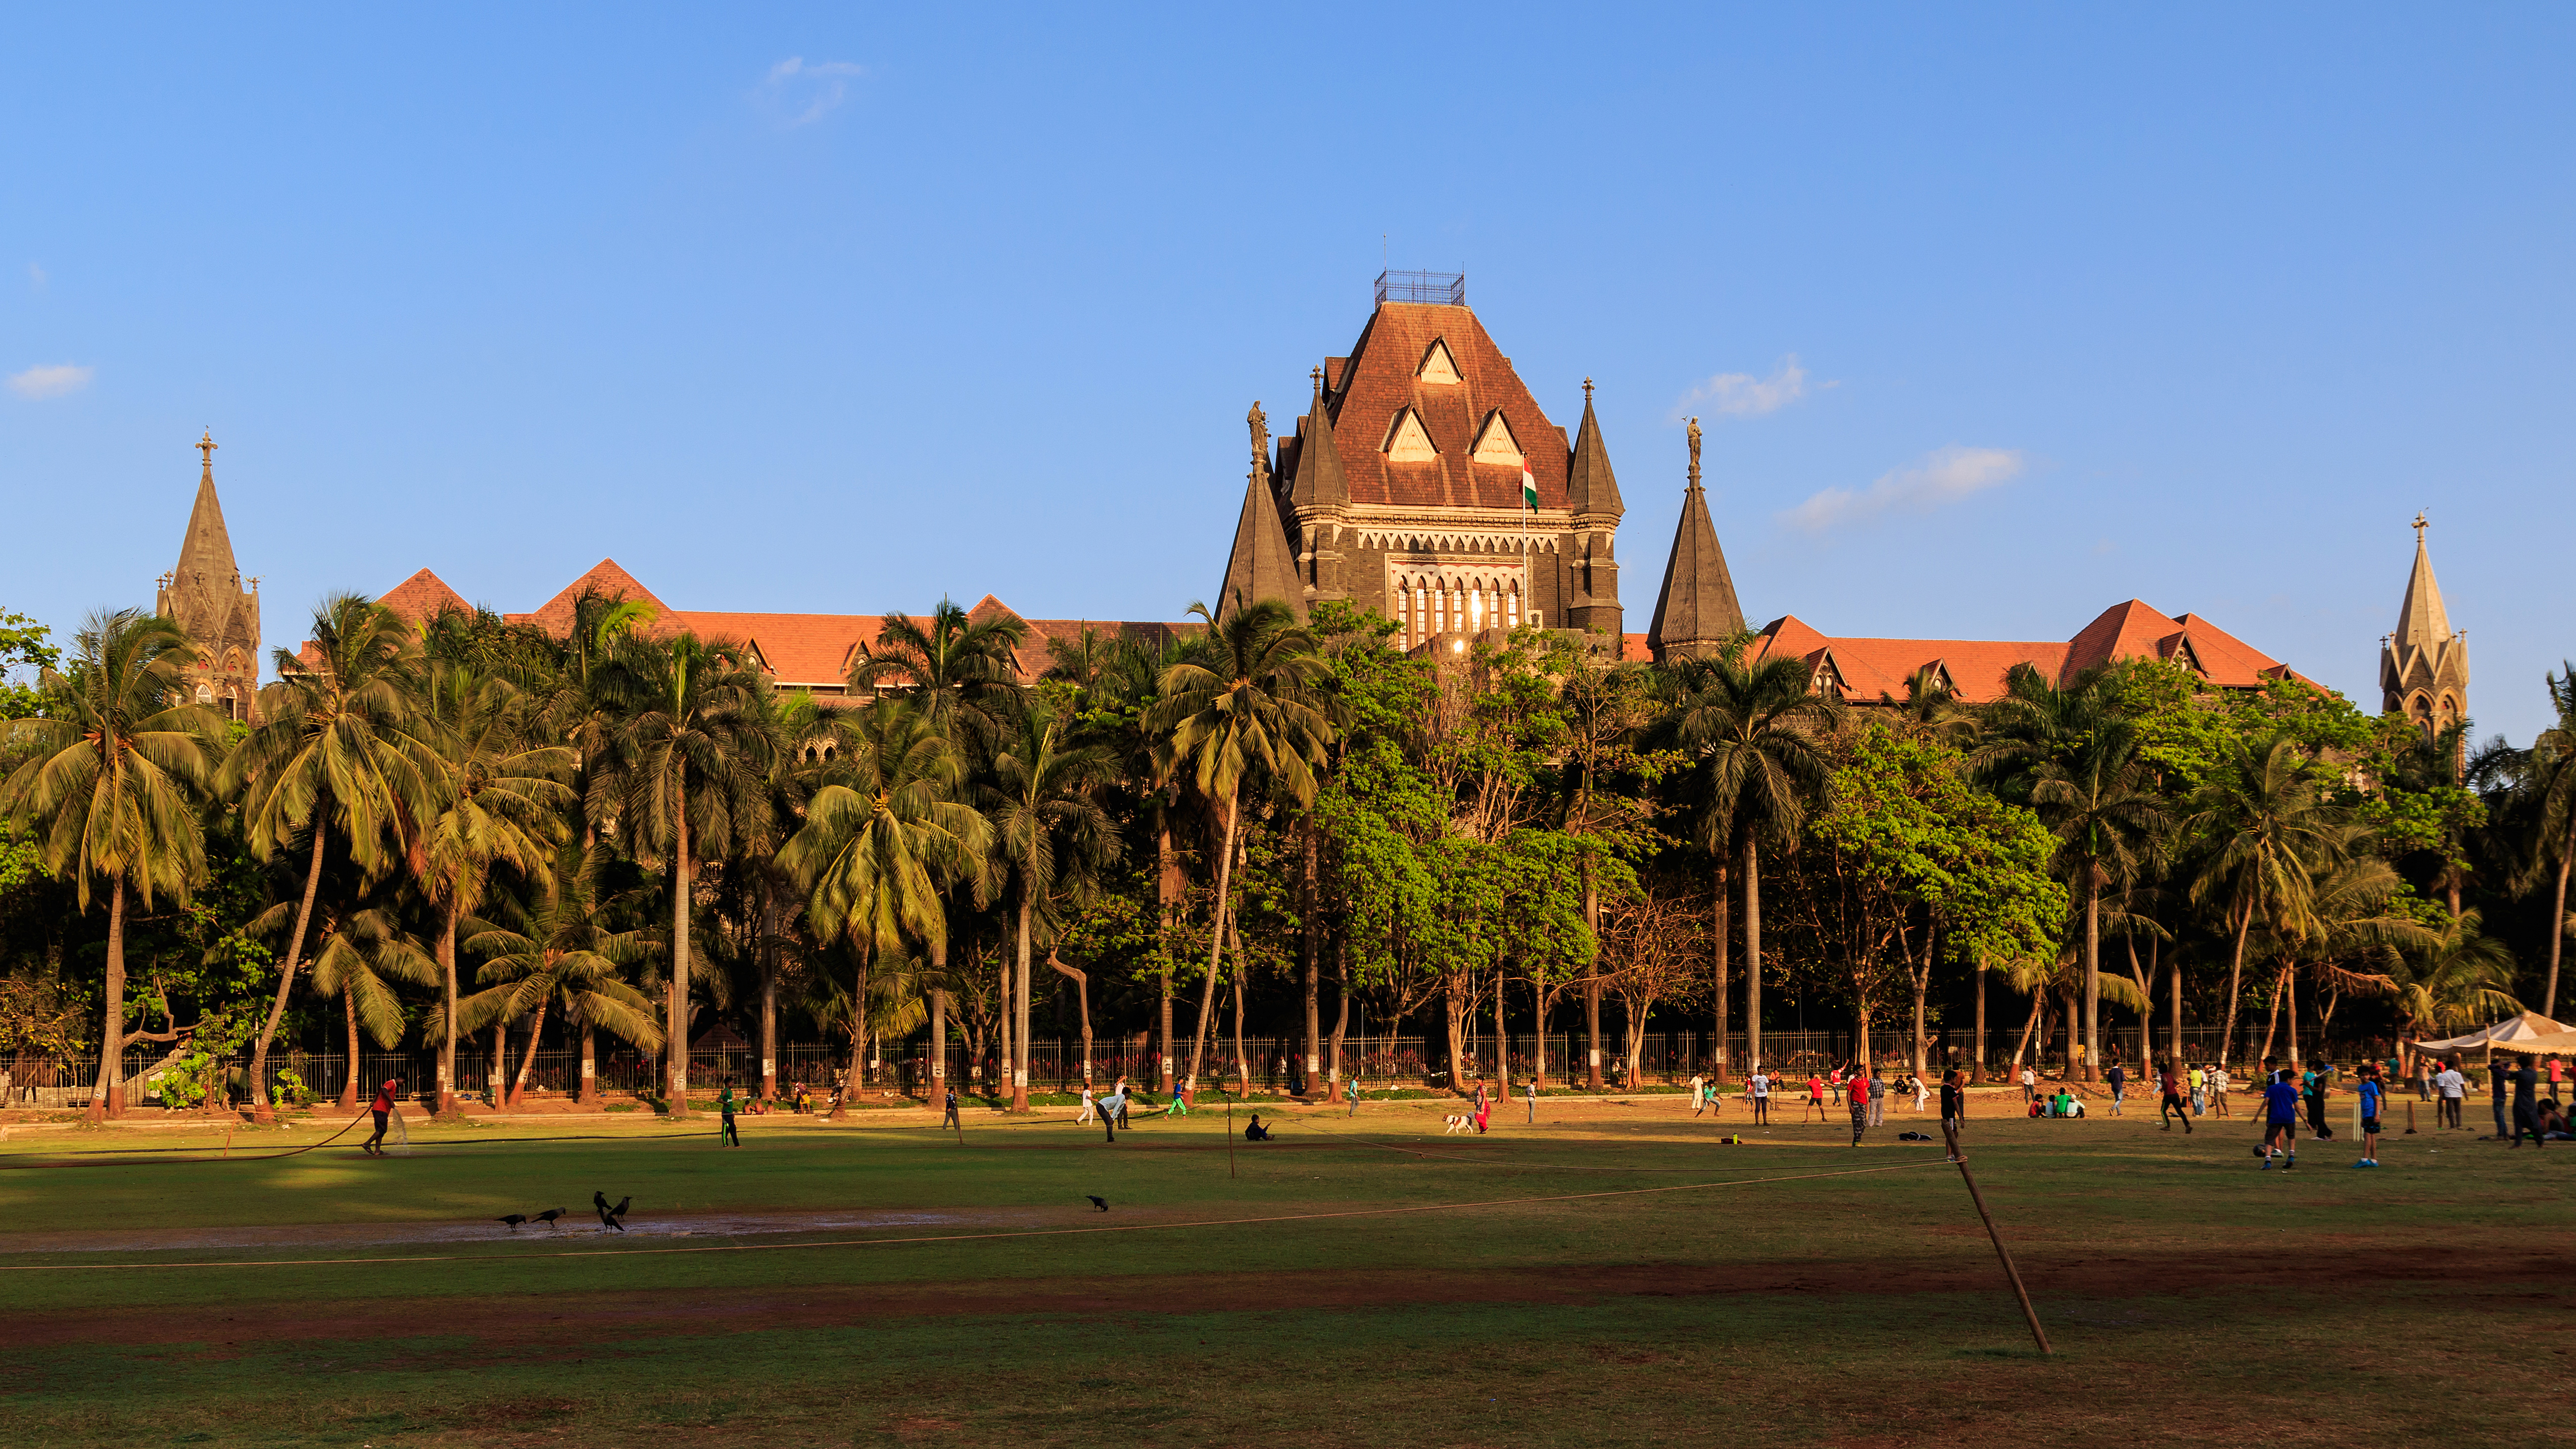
(1002, 1029)
(1082, 1002)
(589, 1063)
(1216, 947)
(496, 1073)
(1169, 888)
(675, 1027)
(1342, 1016)
(2092, 973)
(1922, 988)
(2290, 1006)
(349, 1088)
(768, 993)
(1454, 996)
(1242, 1066)
(1752, 956)
(1539, 1004)
(1502, 1039)
(1314, 949)
(260, 1109)
(1020, 1022)
(1977, 1069)
(528, 1062)
(1719, 933)
(2236, 988)
(2030, 1028)
(107, 1099)
(937, 1066)
(1592, 981)
(2557, 925)
(858, 1038)
(2271, 1024)
(447, 1042)
(2173, 985)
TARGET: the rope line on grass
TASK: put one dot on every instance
(956, 1237)
(162, 1154)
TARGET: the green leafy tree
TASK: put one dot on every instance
(2553, 772)
(885, 838)
(1050, 837)
(2267, 837)
(555, 950)
(1253, 705)
(23, 646)
(1752, 733)
(689, 771)
(111, 792)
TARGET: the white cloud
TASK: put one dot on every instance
(54, 380)
(802, 94)
(1742, 395)
(1944, 476)
(36, 277)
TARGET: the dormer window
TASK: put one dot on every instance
(1494, 442)
(1407, 441)
(1437, 365)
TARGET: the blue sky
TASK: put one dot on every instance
(1995, 316)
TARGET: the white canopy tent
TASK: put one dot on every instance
(2556, 1043)
(2528, 1027)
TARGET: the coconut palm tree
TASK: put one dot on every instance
(1254, 704)
(1753, 731)
(692, 751)
(2462, 977)
(338, 751)
(500, 801)
(362, 952)
(111, 795)
(885, 838)
(1049, 836)
(2107, 815)
(2269, 837)
(556, 950)
(2552, 769)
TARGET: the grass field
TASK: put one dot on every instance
(1610, 1276)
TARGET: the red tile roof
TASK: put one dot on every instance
(1377, 382)
(423, 597)
(1866, 668)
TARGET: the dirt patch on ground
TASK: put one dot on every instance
(2516, 1272)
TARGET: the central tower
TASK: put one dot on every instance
(1425, 482)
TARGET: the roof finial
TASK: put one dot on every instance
(1587, 392)
(207, 446)
(1318, 376)
(1694, 446)
(2419, 528)
(1259, 422)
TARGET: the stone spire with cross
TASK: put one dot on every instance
(2424, 666)
(206, 598)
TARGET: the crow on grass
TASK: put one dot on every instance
(513, 1219)
(608, 1216)
(548, 1217)
(1101, 1203)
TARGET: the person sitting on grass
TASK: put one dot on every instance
(1254, 1131)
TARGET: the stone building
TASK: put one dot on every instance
(1424, 481)
(2424, 666)
(205, 597)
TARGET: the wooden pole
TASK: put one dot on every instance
(2005, 1254)
(1229, 1137)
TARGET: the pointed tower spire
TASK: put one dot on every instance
(1590, 486)
(1320, 481)
(1261, 565)
(2424, 666)
(205, 598)
(1697, 611)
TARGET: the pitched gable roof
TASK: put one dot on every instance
(423, 597)
(1977, 667)
(605, 579)
(1382, 377)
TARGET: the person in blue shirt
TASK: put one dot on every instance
(2281, 1119)
(2371, 1097)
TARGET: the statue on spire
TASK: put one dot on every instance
(1260, 425)
(1694, 447)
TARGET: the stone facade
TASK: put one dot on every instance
(2424, 666)
(1405, 488)
(205, 597)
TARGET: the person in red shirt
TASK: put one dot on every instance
(1815, 1098)
(383, 1107)
(2173, 1104)
(1859, 1085)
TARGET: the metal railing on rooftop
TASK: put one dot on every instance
(1439, 288)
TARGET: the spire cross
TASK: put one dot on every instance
(2419, 527)
(1587, 392)
(207, 446)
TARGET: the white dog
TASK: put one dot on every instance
(1456, 1122)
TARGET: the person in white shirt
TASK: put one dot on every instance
(2029, 1084)
(2452, 1086)
(1090, 1112)
(1699, 1093)
(1758, 1087)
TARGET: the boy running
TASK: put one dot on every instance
(2119, 1081)
(947, 1121)
(2371, 1097)
(2172, 1105)
(1954, 1110)
(2281, 1120)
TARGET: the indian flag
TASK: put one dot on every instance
(1529, 488)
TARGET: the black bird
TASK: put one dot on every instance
(548, 1217)
(513, 1219)
(1101, 1203)
(608, 1216)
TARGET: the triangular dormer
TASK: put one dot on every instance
(1494, 442)
(1824, 676)
(2183, 654)
(1437, 364)
(1407, 441)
